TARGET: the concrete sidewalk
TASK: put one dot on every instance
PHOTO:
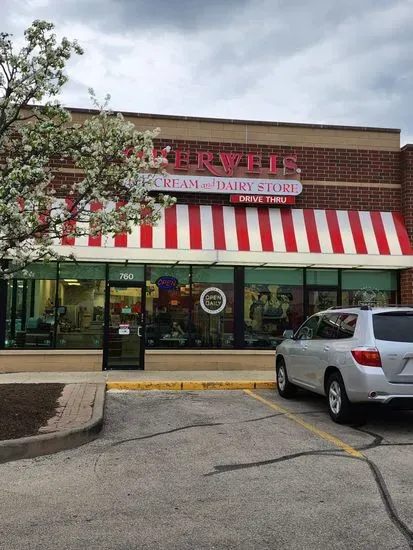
(135, 376)
(152, 380)
(53, 378)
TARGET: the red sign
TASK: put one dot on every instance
(262, 199)
(228, 163)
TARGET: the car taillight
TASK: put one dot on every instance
(367, 357)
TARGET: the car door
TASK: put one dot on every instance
(300, 347)
(323, 348)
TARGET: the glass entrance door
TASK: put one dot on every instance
(125, 343)
(321, 298)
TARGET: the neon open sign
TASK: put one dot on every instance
(166, 282)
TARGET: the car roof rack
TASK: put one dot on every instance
(360, 306)
(366, 307)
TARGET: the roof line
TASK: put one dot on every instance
(242, 121)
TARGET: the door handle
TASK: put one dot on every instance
(305, 347)
(139, 332)
(326, 348)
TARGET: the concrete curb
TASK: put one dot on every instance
(192, 385)
(53, 442)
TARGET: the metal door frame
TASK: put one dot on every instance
(124, 284)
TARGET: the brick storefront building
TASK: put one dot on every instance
(227, 269)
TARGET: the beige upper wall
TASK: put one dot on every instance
(264, 134)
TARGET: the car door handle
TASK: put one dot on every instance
(326, 348)
(304, 348)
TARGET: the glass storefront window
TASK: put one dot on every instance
(80, 307)
(30, 315)
(168, 321)
(213, 330)
(319, 299)
(80, 314)
(34, 320)
(273, 302)
(47, 309)
(374, 287)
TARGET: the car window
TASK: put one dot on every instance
(347, 325)
(328, 326)
(308, 329)
(393, 326)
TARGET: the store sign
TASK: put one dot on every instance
(227, 186)
(262, 199)
(227, 163)
(166, 283)
(213, 300)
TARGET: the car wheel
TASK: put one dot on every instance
(339, 406)
(284, 386)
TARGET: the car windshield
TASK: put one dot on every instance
(394, 326)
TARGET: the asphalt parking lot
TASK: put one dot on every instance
(221, 470)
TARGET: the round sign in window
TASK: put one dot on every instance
(213, 300)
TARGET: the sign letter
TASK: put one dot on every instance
(230, 161)
(204, 161)
(181, 160)
(254, 163)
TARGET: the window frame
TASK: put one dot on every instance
(355, 326)
(326, 315)
(306, 322)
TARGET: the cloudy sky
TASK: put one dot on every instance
(319, 61)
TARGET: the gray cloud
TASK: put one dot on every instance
(129, 15)
(292, 60)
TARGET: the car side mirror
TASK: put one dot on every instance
(288, 334)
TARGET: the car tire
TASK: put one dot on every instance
(339, 406)
(285, 388)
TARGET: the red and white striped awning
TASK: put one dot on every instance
(229, 235)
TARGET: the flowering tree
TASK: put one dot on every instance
(35, 212)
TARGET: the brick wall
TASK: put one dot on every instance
(317, 164)
(407, 186)
(320, 164)
(406, 280)
(406, 286)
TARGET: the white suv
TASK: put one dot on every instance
(352, 355)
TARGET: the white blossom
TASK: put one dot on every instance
(34, 140)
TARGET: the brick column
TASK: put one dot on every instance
(406, 287)
(406, 280)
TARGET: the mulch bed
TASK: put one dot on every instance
(24, 408)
